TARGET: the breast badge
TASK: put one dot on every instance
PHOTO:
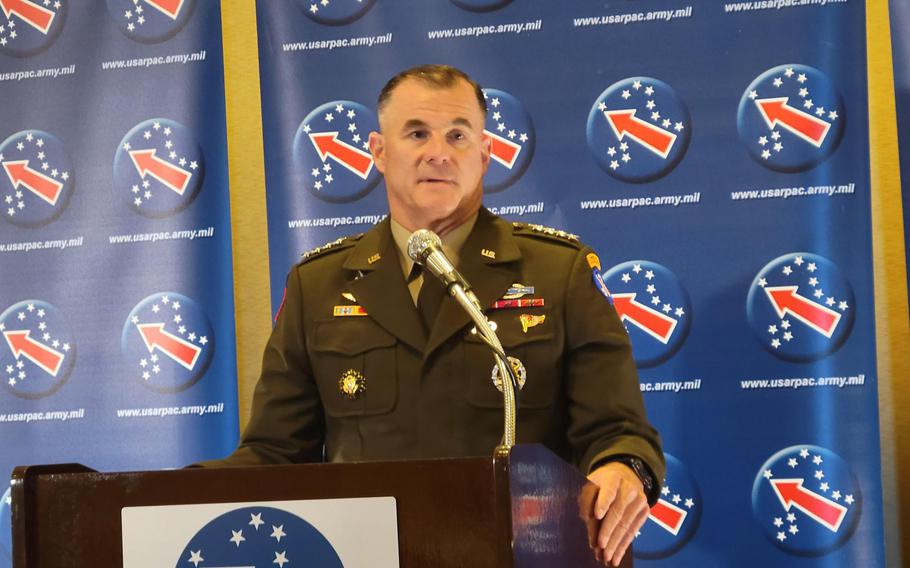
(520, 373)
(352, 384)
(528, 321)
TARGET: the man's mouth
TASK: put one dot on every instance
(435, 180)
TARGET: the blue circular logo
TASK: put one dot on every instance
(638, 129)
(28, 27)
(259, 536)
(332, 151)
(674, 518)
(38, 351)
(654, 307)
(335, 12)
(512, 134)
(37, 179)
(158, 168)
(6, 527)
(806, 500)
(151, 21)
(791, 118)
(168, 341)
(800, 307)
(481, 5)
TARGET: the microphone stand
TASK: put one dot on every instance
(507, 376)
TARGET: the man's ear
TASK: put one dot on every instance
(486, 144)
(377, 149)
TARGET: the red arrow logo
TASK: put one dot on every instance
(32, 14)
(170, 8)
(329, 146)
(43, 356)
(176, 348)
(657, 325)
(776, 111)
(503, 150)
(820, 318)
(668, 516)
(792, 494)
(171, 176)
(47, 188)
(624, 123)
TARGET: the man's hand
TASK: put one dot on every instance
(614, 510)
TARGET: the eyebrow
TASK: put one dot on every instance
(417, 123)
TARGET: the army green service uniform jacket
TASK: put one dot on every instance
(336, 386)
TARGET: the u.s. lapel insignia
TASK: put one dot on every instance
(374, 258)
(528, 321)
(517, 367)
(517, 290)
(352, 384)
(488, 253)
(348, 296)
(347, 311)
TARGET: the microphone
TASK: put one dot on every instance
(425, 248)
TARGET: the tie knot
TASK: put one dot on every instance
(415, 273)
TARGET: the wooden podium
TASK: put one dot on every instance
(521, 510)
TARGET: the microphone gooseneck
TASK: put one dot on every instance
(425, 248)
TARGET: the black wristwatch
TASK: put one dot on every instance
(641, 470)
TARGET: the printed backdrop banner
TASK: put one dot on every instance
(716, 156)
(116, 296)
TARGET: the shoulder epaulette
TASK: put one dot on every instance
(328, 247)
(540, 230)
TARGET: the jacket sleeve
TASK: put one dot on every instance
(286, 421)
(607, 418)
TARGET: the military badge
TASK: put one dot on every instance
(593, 261)
(352, 384)
(520, 373)
(529, 303)
(528, 321)
(348, 296)
(601, 286)
(517, 290)
(345, 311)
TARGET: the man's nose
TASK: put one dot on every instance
(438, 151)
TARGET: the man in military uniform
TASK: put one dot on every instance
(370, 360)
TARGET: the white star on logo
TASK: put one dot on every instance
(256, 520)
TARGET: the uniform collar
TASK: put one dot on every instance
(451, 242)
(488, 260)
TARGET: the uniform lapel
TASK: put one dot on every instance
(489, 262)
(378, 285)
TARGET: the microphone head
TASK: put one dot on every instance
(421, 243)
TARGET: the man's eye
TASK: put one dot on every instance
(457, 135)
(418, 134)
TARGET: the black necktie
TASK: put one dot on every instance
(429, 300)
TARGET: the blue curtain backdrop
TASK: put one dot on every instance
(716, 156)
(116, 298)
